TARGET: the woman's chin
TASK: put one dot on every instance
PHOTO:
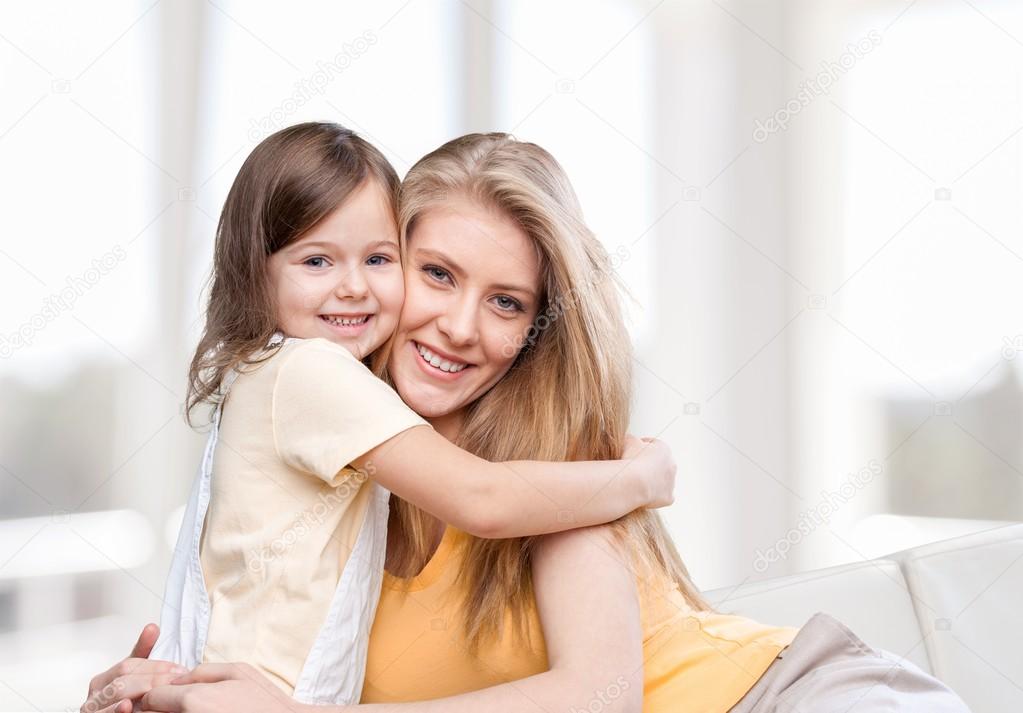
(424, 400)
(437, 408)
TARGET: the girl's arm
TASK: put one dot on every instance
(329, 412)
(586, 597)
(519, 498)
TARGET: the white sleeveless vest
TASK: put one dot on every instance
(336, 665)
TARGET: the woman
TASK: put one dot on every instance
(598, 619)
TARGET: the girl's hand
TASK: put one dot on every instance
(651, 461)
(130, 678)
(220, 688)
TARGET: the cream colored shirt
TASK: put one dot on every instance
(285, 510)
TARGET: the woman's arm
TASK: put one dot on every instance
(519, 498)
(587, 600)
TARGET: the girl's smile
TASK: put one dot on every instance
(342, 280)
(347, 325)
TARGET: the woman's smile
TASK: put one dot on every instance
(472, 285)
(437, 363)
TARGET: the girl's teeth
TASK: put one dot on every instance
(342, 322)
(435, 361)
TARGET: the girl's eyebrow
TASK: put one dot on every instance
(324, 244)
(300, 246)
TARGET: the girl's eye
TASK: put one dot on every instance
(508, 304)
(317, 261)
(377, 260)
(437, 273)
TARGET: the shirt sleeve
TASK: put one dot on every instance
(329, 409)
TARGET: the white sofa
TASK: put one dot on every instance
(954, 608)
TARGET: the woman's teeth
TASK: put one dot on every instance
(346, 322)
(436, 361)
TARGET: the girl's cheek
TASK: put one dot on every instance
(399, 299)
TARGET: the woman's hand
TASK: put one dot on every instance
(130, 678)
(651, 461)
(221, 688)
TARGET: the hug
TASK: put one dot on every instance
(395, 509)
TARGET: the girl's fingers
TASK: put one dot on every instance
(210, 673)
(164, 698)
(119, 707)
(131, 666)
(146, 642)
(129, 686)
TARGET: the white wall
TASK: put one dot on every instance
(808, 302)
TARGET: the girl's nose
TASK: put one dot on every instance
(352, 285)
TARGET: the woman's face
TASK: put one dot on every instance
(472, 289)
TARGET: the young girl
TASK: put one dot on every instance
(280, 555)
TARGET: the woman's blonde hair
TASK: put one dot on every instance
(566, 397)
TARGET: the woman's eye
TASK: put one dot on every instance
(377, 260)
(316, 261)
(508, 304)
(437, 273)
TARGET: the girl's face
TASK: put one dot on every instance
(342, 280)
(472, 286)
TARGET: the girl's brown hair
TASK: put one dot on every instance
(567, 396)
(290, 182)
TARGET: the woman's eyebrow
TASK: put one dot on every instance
(441, 257)
(458, 270)
(516, 288)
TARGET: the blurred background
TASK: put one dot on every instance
(816, 207)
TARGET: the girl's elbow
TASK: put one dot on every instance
(486, 525)
(484, 513)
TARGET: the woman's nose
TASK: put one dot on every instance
(458, 323)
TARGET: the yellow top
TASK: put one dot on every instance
(285, 510)
(693, 660)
